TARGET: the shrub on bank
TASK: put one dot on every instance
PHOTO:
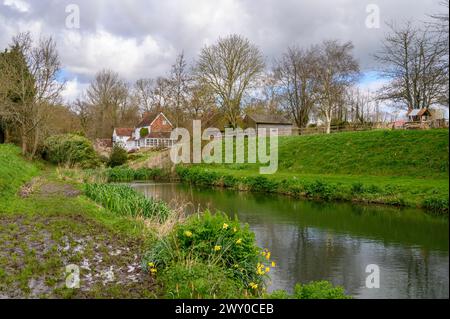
(119, 156)
(124, 200)
(70, 150)
(215, 241)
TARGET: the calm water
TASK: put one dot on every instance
(335, 242)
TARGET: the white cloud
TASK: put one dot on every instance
(140, 38)
(73, 90)
(19, 5)
(88, 53)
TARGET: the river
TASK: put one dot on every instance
(333, 241)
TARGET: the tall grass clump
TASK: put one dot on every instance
(312, 290)
(436, 205)
(126, 174)
(125, 201)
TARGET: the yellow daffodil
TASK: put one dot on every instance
(268, 255)
(151, 265)
(187, 233)
(267, 269)
(235, 229)
(273, 264)
(239, 241)
(253, 285)
(153, 270)
(217, 248)
(225, 226)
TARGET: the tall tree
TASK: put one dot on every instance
(108, 95)
(30, 80)
(229, 68)
(296, 73)
(179, 83)
(337, 71)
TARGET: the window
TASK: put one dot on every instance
(164, 122)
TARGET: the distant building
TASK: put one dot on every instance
(418, 115)
(270, 122)
(157, 130)
(123, 137)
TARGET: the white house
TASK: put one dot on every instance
(123, 137)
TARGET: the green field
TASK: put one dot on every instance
(407, 168)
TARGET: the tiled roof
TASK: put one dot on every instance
(124, 131)
(269, 119)
(417, 112)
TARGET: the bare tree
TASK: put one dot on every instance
(108, 95)
(336, 72)
(179, 83)
(201, 105)
(296, 73)
(229, 68)
(416, 66)
(359, 105)
(143, 94)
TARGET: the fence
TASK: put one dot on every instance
(442, 123)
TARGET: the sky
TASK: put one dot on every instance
(141, 39)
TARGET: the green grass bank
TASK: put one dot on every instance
(407, 168)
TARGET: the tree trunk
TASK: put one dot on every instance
(24, 140)
(36, 144)
(328, 121)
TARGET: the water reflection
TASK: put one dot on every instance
(317, 241)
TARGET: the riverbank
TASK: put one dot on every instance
(123, 244)
(47, 224)
(402, 168)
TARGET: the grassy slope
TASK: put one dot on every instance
(14, 170)
(412, 163)
(35, 230)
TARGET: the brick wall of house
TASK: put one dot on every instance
(159, 125)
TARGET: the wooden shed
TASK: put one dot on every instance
(279, 122)
(418, 115)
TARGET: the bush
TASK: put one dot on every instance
(124, 200)
(118, 157)
(70, 150)
(214, 240)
